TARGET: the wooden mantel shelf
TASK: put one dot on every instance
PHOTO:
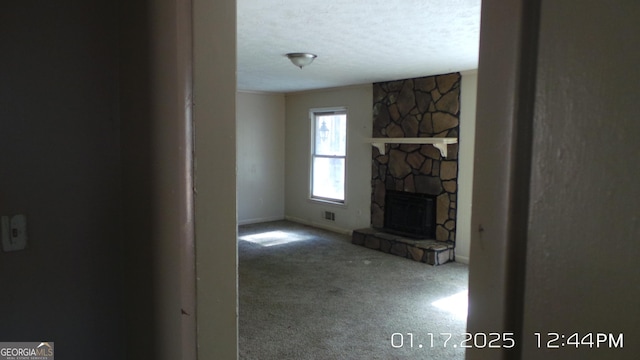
(438, 143)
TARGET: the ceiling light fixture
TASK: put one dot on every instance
(301, 59)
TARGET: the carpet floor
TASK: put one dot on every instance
(307, 293)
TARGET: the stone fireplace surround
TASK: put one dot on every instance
(415, 108)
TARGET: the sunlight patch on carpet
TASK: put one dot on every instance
(456, 304)
(273, 238)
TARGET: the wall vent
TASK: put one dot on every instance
(328, 215)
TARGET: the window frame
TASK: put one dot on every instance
(313, 113)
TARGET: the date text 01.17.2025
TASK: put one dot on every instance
(463, 340)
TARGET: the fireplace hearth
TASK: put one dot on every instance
(410, 214)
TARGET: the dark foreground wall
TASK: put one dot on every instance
(95, 149)
(59, 161)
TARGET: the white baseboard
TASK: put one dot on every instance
(462, 259)
(320, 225)
(260, 220)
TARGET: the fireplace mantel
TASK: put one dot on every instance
(439, 143)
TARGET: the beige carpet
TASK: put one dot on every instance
(307, 293)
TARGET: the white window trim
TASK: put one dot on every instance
(312, 114)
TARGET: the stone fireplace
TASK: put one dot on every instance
(427, 107)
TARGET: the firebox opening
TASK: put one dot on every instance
(410, 214)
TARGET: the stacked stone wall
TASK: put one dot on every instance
(420, 107)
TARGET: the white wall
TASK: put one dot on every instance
(577, 240)
(498, 74)
(583, 246)
(466, 141)
(214, 114)
(260, 151)
(356, 213)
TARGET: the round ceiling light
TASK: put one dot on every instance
(301, 59)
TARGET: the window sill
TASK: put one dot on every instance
(324, 201)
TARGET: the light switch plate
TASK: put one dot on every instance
(14, 233)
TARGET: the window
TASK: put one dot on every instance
(328, 155)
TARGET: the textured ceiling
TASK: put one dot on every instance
(357, 41)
